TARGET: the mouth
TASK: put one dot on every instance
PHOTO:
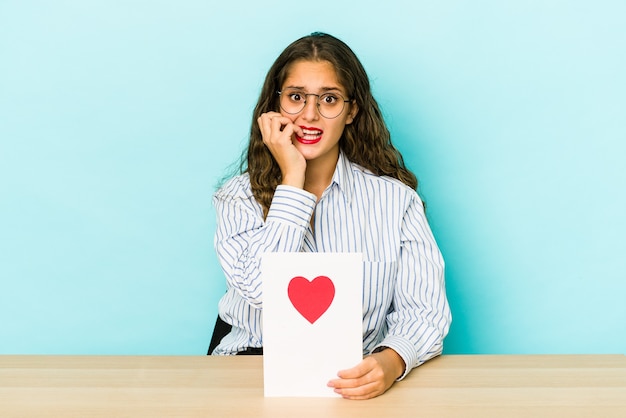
(309, 136)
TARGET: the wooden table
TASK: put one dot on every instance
(449, 386)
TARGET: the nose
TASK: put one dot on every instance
(310, 111)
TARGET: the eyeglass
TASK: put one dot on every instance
(330, 105)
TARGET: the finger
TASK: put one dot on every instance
(367, 391)
(278, 123)
(265, 126)
(361, 369)
(279, 134)
(265, 120)
(283, 122)
(354, 382)
(347, 383)
(269, 115)
(298, 131)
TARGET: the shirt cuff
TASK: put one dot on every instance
(404, 348)
(292, 205)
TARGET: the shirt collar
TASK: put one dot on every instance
(344, 177)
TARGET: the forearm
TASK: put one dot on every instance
(242, 238)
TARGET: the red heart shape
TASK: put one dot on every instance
(313, 298)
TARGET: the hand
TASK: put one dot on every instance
(371, 377)
(277, 132)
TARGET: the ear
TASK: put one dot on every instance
(354, 109)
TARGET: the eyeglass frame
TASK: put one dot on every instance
(317, 103)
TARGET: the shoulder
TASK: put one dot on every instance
(384, 185)
(236, 188)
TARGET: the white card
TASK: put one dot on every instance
(312, 320)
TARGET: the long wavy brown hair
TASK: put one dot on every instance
(366, 141)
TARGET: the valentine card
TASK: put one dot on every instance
(312, 320)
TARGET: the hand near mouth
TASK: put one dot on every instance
(277, 132)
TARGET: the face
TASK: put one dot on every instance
(320, 141)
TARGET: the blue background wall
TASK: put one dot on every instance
(118, 118)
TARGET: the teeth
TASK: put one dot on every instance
(311, 132)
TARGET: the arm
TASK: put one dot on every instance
(242, 236)
(420, 318)
(421, 315)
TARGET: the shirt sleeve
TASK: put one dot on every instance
(421, 316)
(243, 236)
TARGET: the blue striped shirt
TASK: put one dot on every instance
(404, 301)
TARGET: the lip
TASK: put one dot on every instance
(311, 135)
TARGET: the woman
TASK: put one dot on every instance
(322, 175)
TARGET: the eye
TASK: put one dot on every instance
(296, 97)
(329, 99)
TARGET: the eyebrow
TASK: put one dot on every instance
(323, 89)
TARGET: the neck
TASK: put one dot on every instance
(319, 174)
